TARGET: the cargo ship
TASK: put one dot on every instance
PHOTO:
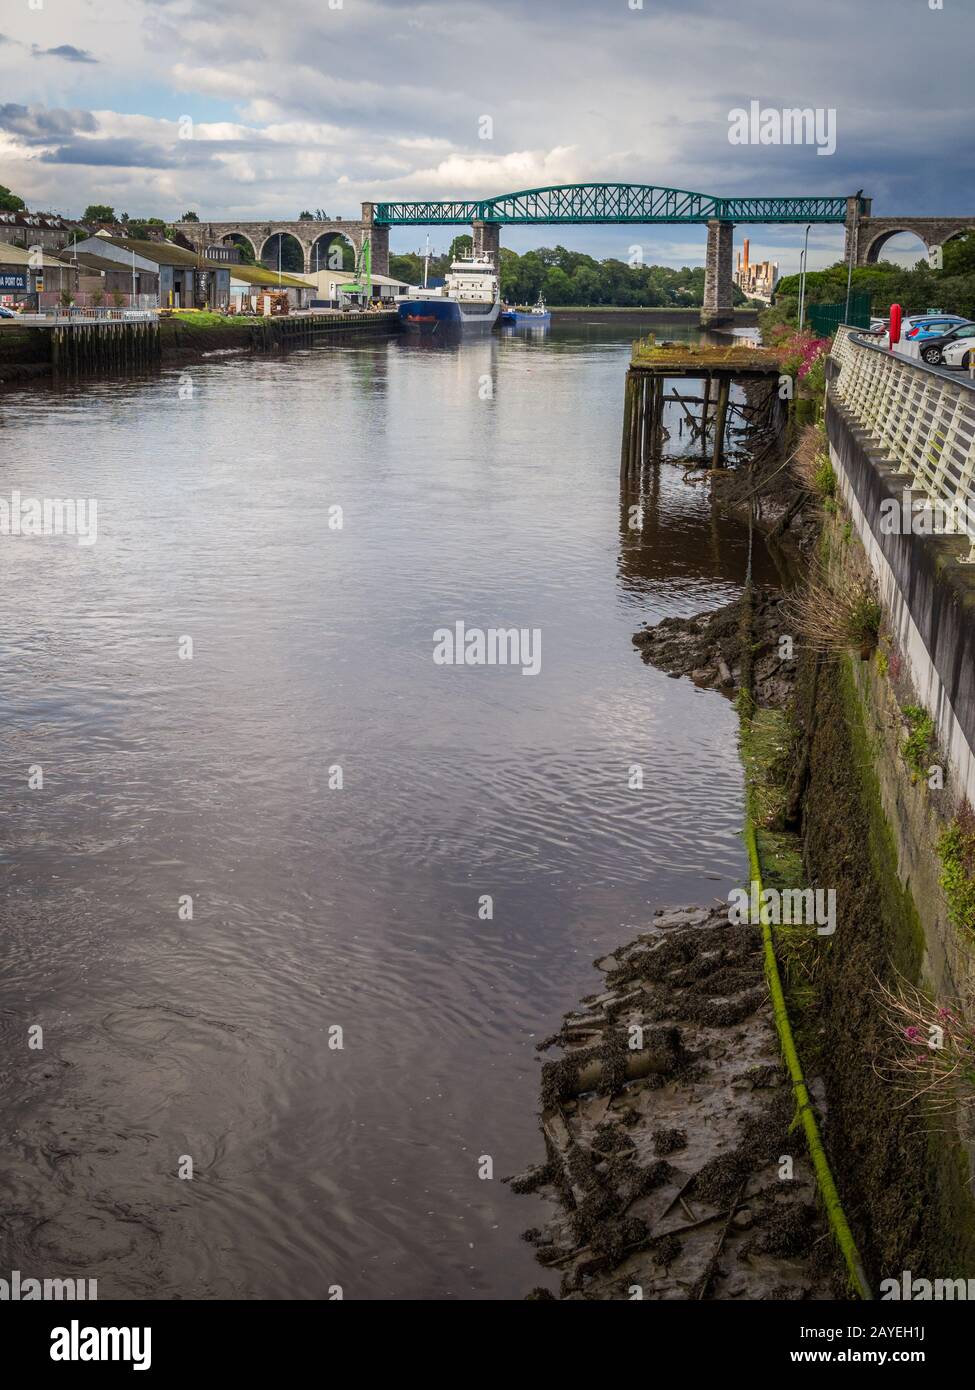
(470, 298)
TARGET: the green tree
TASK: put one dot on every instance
(98, 212)
(9, 202)
(141, 227)
(189, 217)
(587, 286)
(460, 246)
(958, 254)
(557, 287)
(915, 290)
(408, 267)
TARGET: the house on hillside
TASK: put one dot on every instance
(27, 229)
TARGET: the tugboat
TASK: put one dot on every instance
(538, 316)
(469, 298)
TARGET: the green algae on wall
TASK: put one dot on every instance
(905, 1179)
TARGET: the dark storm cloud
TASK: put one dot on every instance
(67, 51)
(39, 125)
(121, 152)
(117, 153)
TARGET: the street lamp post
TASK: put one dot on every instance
(802, 274)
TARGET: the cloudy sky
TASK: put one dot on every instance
(240, 109)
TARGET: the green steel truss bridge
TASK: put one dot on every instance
(611, 202)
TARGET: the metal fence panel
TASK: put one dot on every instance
(825, 319)
(922, 419)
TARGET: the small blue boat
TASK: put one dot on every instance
(536, 317)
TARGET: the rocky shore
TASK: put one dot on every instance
(670, 1157)
(712, 648)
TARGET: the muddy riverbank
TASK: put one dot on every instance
(668, 1131)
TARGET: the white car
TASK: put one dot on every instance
(959, 353)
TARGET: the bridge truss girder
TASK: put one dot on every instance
(612, 203)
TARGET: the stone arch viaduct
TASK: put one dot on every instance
(306, 232)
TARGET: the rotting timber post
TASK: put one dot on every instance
(718, 368)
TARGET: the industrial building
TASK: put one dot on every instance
(756, 280)
(33, 276)
(181, 279)
(334, 288)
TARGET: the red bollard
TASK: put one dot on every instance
(896, 315)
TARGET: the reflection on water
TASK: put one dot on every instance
(478, 481)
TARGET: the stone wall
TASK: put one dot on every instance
(928, 599)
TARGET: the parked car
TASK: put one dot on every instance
(921, 329)
(932, 351)
(6, 313)
(959, 352)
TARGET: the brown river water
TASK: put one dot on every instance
(478, 482)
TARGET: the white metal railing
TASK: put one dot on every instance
(924, 421)
(88, 316)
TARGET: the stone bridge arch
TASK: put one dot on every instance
(322, 250)
(231, 238)
(871, 234)
(282, 236)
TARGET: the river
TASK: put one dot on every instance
(478, 483)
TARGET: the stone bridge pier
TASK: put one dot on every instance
(487, 240)
(378, 235)
(718, 305)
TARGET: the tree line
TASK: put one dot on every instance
(949, 290)
(571, 277)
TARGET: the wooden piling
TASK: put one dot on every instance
(633, 454)
(647, 441)
(720, 419)
(628, 400)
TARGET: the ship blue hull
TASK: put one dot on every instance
(514, 318)
(427, 315)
